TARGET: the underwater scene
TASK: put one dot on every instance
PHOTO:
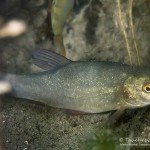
(74, 75)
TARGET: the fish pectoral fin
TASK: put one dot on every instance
(47, 59)
(116, 115)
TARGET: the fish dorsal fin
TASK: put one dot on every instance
(47, 59)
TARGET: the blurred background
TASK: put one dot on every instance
(103, 30)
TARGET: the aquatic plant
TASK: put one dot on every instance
(104, 139)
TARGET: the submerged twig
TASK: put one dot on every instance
(133, 31)
(123, 30)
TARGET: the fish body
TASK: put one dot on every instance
(90, 87)
(60, 11)
(82, 86)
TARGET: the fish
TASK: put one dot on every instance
(82, 86)
(60, 11)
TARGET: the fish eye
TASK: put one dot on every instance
(146, 87)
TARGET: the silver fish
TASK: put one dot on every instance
(90, 87)
(60, 11)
